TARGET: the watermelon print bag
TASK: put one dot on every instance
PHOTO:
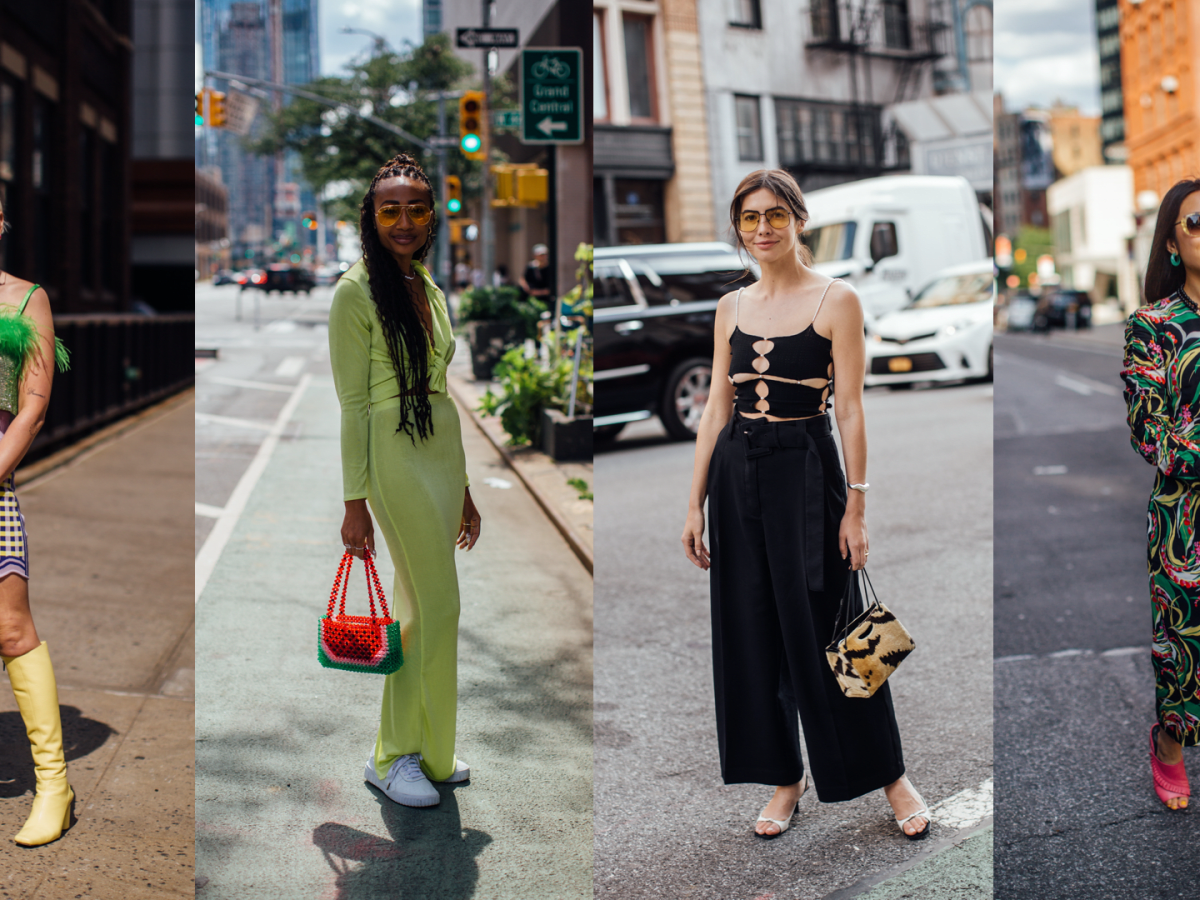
(368, 644)
(864, 652)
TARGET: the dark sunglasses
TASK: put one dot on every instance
(776, 218)
(1191, 224)
(418, 214)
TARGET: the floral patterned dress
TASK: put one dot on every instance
(1162, 391)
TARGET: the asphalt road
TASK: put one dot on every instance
(282, 811)
(666, 826)
(1074, 691)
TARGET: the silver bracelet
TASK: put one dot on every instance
(861, 488)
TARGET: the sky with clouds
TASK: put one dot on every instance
(1045, 50)
(396, 20)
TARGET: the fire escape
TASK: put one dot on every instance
(865, 30)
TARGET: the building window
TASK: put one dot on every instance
(828, 136)
(599, 71)
(824, 16)
(745, 14)
(979, 34)
(639, 211)
(638, 67)
(749, 133)
(895, 24)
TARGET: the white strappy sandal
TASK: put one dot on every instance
(922, 813)
(783, 824)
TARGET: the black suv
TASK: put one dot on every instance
(655, 305)
(1063, 308)
(284, 278)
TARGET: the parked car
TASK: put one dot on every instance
(1021, 311)
(249, 277)
(1062, 308)
(944, 334)
(655, 306)
(282, 278)
(225, 276)
(889, 236)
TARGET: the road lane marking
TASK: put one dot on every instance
(258, 424)
(966, 808)
(211, 512)
(1069, 654)
(1085, 386)
(290, 367)
(1049, 470)
(254, 385)
(214, 544)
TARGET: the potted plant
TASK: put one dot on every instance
(567, 425)
(494, 319)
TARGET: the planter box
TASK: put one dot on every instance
(489, 340)
(564, 438)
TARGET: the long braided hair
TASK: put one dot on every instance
(397, 304)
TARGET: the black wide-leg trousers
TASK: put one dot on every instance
(776, 496)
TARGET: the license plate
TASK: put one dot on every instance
(899, 364)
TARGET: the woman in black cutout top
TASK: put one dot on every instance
(784, 534)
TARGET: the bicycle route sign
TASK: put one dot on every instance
(551, 95)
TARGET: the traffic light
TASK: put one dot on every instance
(309, 221)
(216, 109)
(471, 118)
(200, 109)
(520, 184)
(454, 202)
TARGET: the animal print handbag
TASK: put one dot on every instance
(865, 651)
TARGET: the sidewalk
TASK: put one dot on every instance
(111, 593)
(545, 479)
(282, 810)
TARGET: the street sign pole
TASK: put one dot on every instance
(443, 236)
(486, 238)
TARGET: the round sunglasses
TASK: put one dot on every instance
(389, 215)
(776, 218)
(1191, 224)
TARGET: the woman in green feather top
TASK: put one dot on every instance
(28, 351)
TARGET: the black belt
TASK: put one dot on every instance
(762, 437)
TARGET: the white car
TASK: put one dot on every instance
(944, 334)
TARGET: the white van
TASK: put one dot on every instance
(889, 236)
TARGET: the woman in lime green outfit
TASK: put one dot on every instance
(390, 343)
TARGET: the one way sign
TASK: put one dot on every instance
(551, 95)
(487, 37)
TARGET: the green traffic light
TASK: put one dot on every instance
(454, 205)
(199, 120)
(471, 143)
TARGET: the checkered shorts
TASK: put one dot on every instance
(14, 553)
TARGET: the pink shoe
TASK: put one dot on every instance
(1170, 782)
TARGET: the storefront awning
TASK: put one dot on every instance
(948, 135)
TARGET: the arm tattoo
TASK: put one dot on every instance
(34, 428)
(36, 394)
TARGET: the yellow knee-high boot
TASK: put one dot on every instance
(32, 678)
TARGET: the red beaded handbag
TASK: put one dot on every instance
(359, 643)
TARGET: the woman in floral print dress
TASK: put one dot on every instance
(1162, 391)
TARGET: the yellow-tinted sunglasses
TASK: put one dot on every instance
(776, 218)
(389, 215)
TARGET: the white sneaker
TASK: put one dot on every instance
(462, 772)
(405, 783)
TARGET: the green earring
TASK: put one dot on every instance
(1174, 259)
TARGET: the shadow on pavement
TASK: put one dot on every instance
(81, 737)
(430, 854)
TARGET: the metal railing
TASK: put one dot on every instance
(119, 364)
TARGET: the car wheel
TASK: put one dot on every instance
(900, 386)
(990, 372)
(685, 396)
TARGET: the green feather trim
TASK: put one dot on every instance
(19, 338)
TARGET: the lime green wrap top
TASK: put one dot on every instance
(363, 374)
(18, 340)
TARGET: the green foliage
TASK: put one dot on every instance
(528, 387)
(1034, 241)
(582, 486)
(336, 146)
(488, 304)
(580, 297)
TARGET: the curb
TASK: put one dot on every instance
(564, 528)
(872, 881)
(25, 476)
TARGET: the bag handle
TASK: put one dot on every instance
(342, 580)
(841, 625)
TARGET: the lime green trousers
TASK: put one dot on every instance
(416, 495)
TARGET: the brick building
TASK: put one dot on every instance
(1160, 79)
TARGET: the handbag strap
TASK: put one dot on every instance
(342, 581)
(841, 624)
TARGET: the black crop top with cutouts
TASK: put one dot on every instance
(789, 376)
